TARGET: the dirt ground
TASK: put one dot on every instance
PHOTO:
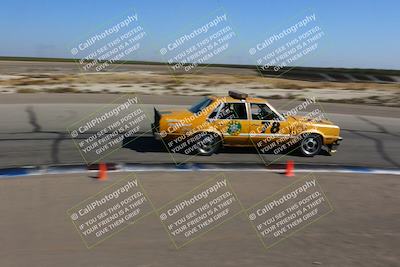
(157, 80)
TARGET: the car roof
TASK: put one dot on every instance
(247, 99)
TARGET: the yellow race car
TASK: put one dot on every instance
(241, 121)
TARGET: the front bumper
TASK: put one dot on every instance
(333, 147)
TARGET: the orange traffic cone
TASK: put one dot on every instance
(289, 168)
(102, 172)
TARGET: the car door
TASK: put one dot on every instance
(232, 121)
(267, 126)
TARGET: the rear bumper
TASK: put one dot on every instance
(156, 134)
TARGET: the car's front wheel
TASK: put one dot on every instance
(311, 145)
(208, 144)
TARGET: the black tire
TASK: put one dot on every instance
(310, 145)
(208, 144)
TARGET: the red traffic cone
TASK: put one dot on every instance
(102, 172)
(289, 168)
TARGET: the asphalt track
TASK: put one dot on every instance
(33, 132)
(362, 230)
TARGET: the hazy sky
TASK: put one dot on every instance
(363, 34)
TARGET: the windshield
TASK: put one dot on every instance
(205, 102)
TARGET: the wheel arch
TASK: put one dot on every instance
(210, 130)
(314, 132)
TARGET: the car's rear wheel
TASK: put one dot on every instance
(310, 145)
(208, 144)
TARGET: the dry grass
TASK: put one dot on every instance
(62, 90)
(26, 91)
